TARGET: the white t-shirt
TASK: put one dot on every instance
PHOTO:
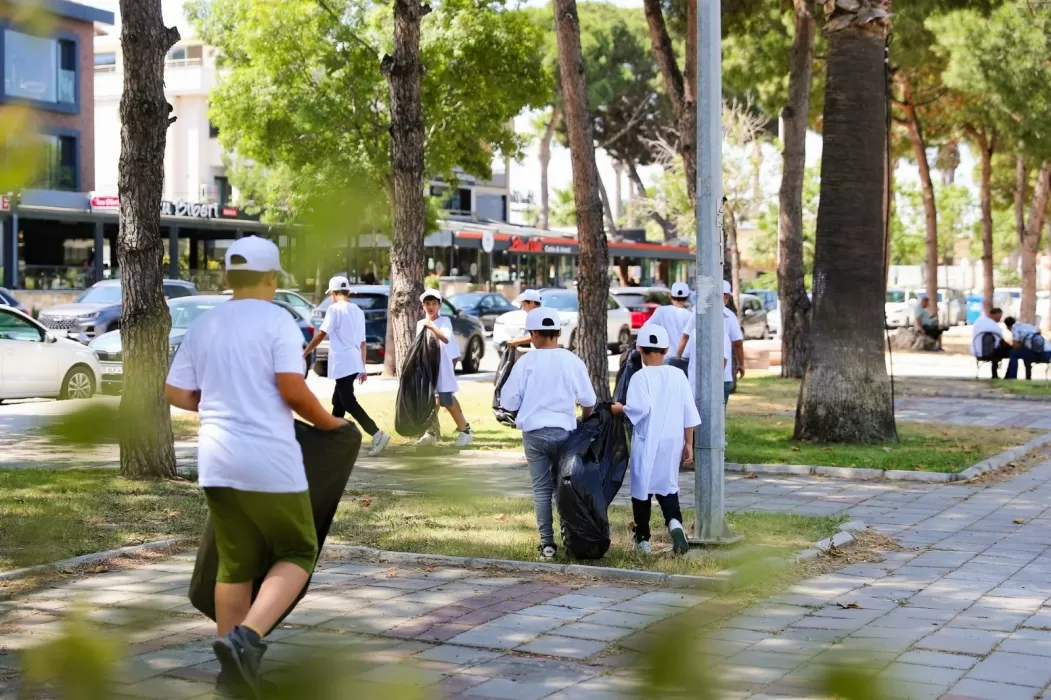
(344, 325)
(728, 366)
(660, 406)
(247, 438)
(674, 320)
(545, 387)
(982, 325)
(450, 353)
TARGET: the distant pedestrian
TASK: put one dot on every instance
(529, 299)
(733, 349)
(442, 328)
(368, 277)
(675, 317)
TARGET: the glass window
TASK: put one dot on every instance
(14, 327)
(612, 304)
(566, 301)
(447, 310)
(184, 313)
(109, 294)
(365, 302)
(59, 166)
(105, 59)
(895, 297)
(177, 54)
(502, 304)
(174, 291)
(39, 68)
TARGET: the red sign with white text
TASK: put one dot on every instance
(105, 202)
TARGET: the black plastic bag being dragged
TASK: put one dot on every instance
(328, 458)
(419, 378)
(630, 363)
(591, 469)
(507, 362)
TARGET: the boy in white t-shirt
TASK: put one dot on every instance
(344, 326)
(545, 387)
(675, 317)
(660, 406)
(528, 300)
(240, 367)
(442, 328)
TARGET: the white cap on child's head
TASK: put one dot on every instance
(253, 254)
(528, 295)
(338, 284)
(653, 336)
(680, 290)
(543, 319)
(727, 289)
(430, 294)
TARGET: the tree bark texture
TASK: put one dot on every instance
(986, 146)
(682, 90)
(795, 306)
(1031, 235)
(607, 208)
(846, 395)
(730, 223)
(930, 210)
(593, 275)
(545, 162)
(404, 71)
(146, 443)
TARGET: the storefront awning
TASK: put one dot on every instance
(553, 245)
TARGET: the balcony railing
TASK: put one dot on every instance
(182, 62)
(108, 68)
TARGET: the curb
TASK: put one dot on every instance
(84, 559)
(992, 396)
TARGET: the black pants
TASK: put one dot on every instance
(1002, 352)
(344, 401)
(641, 510)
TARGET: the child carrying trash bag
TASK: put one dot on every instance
(660, 406)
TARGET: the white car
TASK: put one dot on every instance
(900, 307)
(39, 363)
(511, 325)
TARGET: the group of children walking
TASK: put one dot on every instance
(240, 367)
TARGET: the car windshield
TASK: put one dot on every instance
(466, 301)
(895, 297)
(561, 302)
(186, 312)
(369, 302)
(631, 300)
(108, 294)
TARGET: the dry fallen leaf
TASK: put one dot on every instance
(365, 501)
(502, 516)
(752, 475)
(1019, 521)
(849, 606)
(99, 570)
(392, 572)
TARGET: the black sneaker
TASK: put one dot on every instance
(239, 659)
(678, 538)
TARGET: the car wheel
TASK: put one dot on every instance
(77, 384)
(321, 368)
(473, 358)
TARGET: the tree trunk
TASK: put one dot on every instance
(1031, 235)
(730, 222)
(846, 395)
(795, 306)
(930, 212)
(985, 152)
(403, 71)
(681, 89)
(618, 192)
(146, 443)
(545, 162)
(593, 273)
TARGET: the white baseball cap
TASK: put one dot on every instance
(727, 289)
(529, 295)
(259, 254)
(653, 336)
(430, 294)
(338, 284)
(680, 290)
(543, 319)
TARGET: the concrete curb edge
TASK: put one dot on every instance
(85, 559)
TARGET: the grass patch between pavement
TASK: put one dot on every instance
(505, 528)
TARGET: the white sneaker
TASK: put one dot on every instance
(547, 551)
(427, 440)
(643, 547)
(464, 439)
(379, 443)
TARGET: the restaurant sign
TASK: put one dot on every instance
(536, 245)
(179, 207)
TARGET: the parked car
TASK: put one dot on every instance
(754, 318)
(641, 302)
(97, 310)
(618, 320)
(899, 307)
(373, 300)
(772, 304)
(485, 306)
(300, 304)
(184, 311)
(39, 363)
(1009, 299)
(8, 299)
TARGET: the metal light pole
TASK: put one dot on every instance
(710, 436)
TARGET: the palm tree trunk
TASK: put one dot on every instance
(795, 306)
(147, 448)
(1033, 232)
(545, 162)
(403, 71)
(593, 273)
(845, 395)
(930, 212)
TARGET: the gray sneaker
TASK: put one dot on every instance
(239, 660)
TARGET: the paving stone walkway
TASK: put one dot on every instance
(986, 413)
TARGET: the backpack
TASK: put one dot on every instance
(1035, 343)
(987, 343)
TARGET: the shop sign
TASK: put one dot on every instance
(488, 241)
(5, 202)
(104, 202)
(180, 207)
(563, 249)
(526, 245)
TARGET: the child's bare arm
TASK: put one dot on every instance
(687, 447)
(182, 398)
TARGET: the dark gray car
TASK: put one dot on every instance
(373, 301)
(485, 306)
(97, 310)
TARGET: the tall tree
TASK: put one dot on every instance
(795, 305)
(845, 395)
(146, 443)
(550, 125)
(593, 277)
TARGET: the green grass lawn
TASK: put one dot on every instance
(505, 528)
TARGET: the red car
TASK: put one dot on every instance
(641, 302)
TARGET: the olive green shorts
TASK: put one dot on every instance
(255, 530)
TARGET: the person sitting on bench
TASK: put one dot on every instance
(987, 340)
(926, 324)
(1028, 346)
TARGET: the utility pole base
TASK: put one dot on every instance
(715, 536)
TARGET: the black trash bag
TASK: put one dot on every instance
(415, 407)
(682, 364)
(328, 458)
(507, 362)
(591, 469)
(630, 363)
